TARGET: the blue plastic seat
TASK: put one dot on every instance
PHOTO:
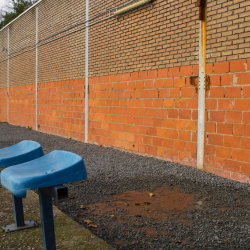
(19, 153)
(55, 168)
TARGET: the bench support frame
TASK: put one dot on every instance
(19, 217)
(47, 221)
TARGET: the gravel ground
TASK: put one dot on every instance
(135, 202)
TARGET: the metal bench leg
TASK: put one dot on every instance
(19, 217)
(47, 221)
(18, 211)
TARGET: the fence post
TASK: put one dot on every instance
(36, 60)
(86, 71)
(8, 76)
(202, 82)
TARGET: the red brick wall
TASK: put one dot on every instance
(151, 113)
(155, 113)
(3, 105)
(22, 105)
(61, 108)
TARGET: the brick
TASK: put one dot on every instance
(168, 123)
(223, 152)
(152, 150)
(152, 74)
(242, 78)
(192, 103)
(164, 93)
(185, 114)
(211, 104)
(209, 68)
(232, 116)
(209, 149)
(174, 72)
(179, 145)
(191, 125)
(158, 83)
(242, 104)
(167, 143)
(191, 147)
(157, 141)
(208, 169)
(186, 92)
(210, 127)
(215, 162)
(172, 113)
(245, 168)
(143, 75)
(231, 141)
(216, 92)
(161, 152)
(225, 104)
(173, 154)
(161, 132)
(215, 80)
(246, 117)
(149, 84)
(126, 77)
(186, 70)
(184, 156)
(217, 116)
(238, 66)
(172, 134)
(225, 128)
(139, 85)
(168, 83)
(222, 173)
(169, 103)
(179, 82)
(246, 92)
(227, 80)
(215, 139)
(162, 73)
(240, 155)
(180, 103)
(196, 70)
(174, 93)
(233, 166)
(241, 130)
(239, 177)
(179, 124)
(222, 67)
(245, 143)
(233, 92)
(184, 135)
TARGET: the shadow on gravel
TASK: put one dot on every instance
(136, 202)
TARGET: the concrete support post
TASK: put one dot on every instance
(36, 61)
(86, 71)
(202, 89)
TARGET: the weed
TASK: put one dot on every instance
(29, 128)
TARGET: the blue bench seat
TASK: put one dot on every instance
(55, 168)
(19, 153)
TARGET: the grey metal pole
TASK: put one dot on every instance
(8, 76)
(202, 89)
(36, 60)
(86, 71)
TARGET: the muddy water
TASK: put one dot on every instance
(157, 205)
